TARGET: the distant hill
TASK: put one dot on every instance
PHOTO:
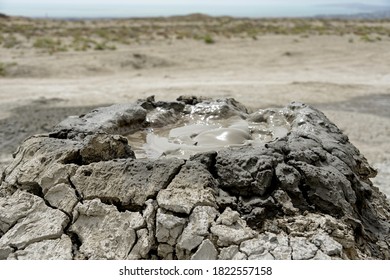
(375, 15)
(3, 15)
(194, 17)
(372, 13)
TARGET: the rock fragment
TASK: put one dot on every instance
(103, 147)
(165, 251)
(128, 182)
(145, 236)
(234, 233)
(104, 232)
(285, 201)
(206, 251)
(327, 244)
(197, 228)
(52, 249)
(115, 119)
(19, 205)
(193, 186)
(302, 249)
(36, 157)
(267, 246)
(36, 224)
(247, 170)
(231, 253)
(168, 227)
(62, 197)
(142, 247)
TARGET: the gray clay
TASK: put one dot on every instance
(192, 179)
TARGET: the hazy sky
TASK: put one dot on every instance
(187, 2)
(167, 7)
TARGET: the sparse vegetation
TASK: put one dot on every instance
(367, 38)
(104, 46)
(2, 69)
(49, 44)
(10, 42)
(208, 39)
(82, 43)
(58, 35)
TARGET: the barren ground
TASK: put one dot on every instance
(346, 76)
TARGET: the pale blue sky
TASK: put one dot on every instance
(128, 8)
(191, 2)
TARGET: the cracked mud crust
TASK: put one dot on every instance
(82, 192)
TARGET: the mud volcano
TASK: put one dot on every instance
(192, 179)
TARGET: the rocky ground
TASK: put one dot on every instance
(50, 69)
(80, 189)
(53, 69)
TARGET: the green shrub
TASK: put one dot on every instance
(208, 39)
(10, 42)
(49, 45)
(100, 47)
(81, 43)
(104, 46)
(5, 66)
(3, 71)
(367, 38)
(44, 43)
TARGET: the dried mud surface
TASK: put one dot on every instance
(81, 189)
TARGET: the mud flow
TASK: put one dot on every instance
(193, 133)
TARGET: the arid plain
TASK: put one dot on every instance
(50, 69)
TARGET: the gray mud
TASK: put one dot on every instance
(195, 132)
(375, 104)
(40, 116)
(81, 189)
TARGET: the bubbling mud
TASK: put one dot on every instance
(201, 131)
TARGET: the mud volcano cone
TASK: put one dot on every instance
(192, 179)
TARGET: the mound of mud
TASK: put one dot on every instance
(192, 179)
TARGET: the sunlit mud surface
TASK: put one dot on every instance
(199, 131)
